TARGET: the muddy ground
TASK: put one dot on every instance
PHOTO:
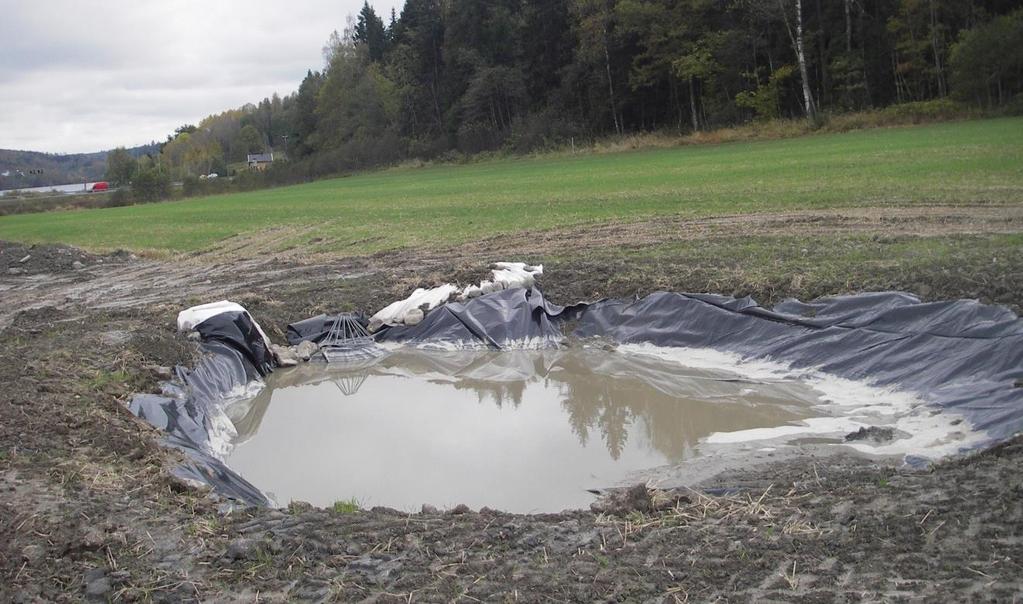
(88, 508)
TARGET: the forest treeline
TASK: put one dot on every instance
(468, 76)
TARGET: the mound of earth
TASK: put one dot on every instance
(22, 259)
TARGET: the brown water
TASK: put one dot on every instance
(524, 431)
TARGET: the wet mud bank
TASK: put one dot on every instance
(90, 509)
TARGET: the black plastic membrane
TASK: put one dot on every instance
(961, 357)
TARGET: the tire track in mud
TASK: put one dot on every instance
(146, 282)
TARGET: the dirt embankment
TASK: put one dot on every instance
(803, 254)
(88, 507)
(20, 259)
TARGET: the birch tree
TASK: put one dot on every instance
(595, 21)
(797, 38)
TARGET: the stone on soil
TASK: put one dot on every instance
(33, 553)
(873, 433)
(306, 350)
(286, 355)
(97, 584)
(98, 589)
(93, 538)
(620, 502)
(242, 549)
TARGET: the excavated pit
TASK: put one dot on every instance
(674, 389)
(521, 431)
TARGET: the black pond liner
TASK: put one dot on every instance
(961, 356)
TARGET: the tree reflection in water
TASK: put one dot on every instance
(602, 392)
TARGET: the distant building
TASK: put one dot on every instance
(260, 161)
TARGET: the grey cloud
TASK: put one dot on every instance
(89, 75)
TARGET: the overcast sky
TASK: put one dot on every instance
(90, 75)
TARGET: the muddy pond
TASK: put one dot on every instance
(521, 431)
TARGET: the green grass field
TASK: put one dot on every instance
(977, 161)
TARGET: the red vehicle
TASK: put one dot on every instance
(100, 186)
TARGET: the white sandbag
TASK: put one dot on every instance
(506, 275)
(470, 292)
(520, 266)
(489, 287)
(515, 274)
(414, 317)
(190, 317)
(397, 312)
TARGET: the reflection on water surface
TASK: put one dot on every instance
(523, 431)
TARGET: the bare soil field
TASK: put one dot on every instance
(89, 509)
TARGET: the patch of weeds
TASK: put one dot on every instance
(203, 527)
(262, 560)
(542, 558)
(104, 378)
(263, 556)
(337, 587)
(346, 506)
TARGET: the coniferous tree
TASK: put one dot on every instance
(370, 31)
(305, 113)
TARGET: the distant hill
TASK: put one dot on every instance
(23, 169)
